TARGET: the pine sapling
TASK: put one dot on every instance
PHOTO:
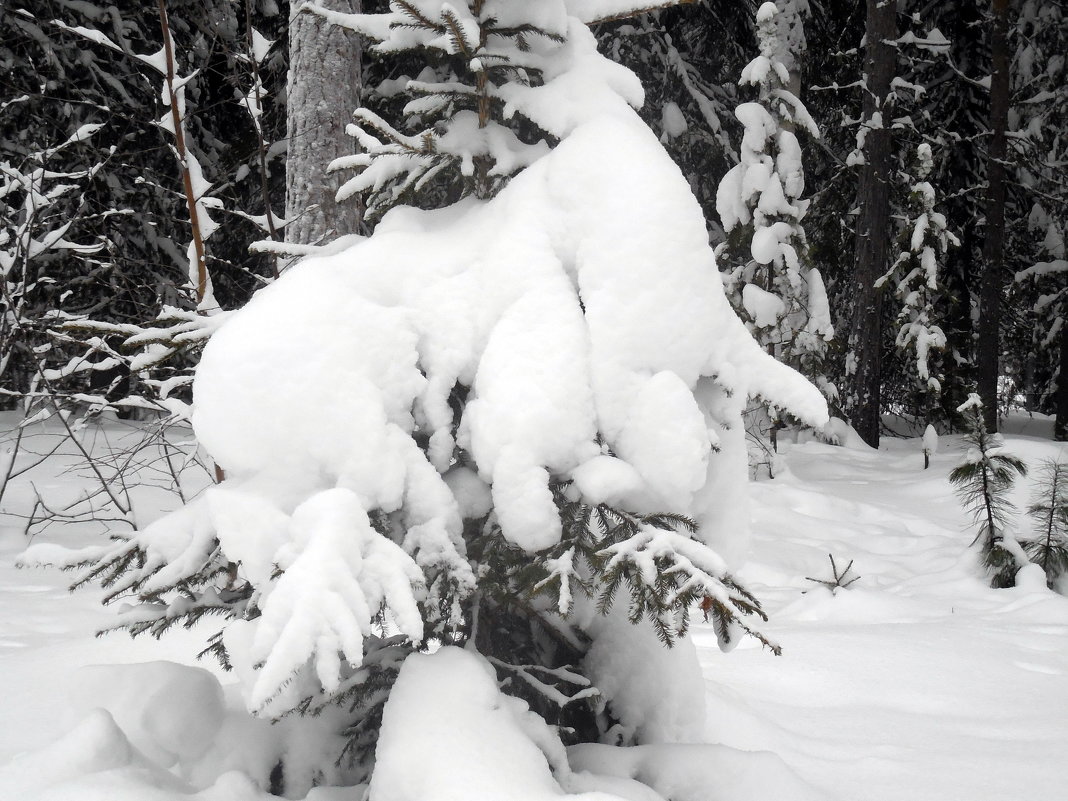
(1049, 509)
(983, 481)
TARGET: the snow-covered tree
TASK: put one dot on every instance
(923, 242)
(770, 282)
(1036, 345)
(1043, 288)
(513, 423)
(462, 112)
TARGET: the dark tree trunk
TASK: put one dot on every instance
(873, 224)
(325, 80)
(987, 348)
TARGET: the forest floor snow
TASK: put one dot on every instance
(917, 681)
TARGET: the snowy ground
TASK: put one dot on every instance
(917, 682)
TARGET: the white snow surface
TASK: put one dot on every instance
(918, 681)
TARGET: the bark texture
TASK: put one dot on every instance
(324, 86)
(987, 349)
(873, 224)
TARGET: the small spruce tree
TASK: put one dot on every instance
(1048, 546)
(983, 481)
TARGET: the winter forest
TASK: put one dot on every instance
(636, 400)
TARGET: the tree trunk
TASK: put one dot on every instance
(987, 349)
(873, 224)
(325, 81)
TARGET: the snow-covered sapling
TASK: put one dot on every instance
(983, 481)
(1048, 546)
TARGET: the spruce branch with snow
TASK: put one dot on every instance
(465, 110)
(135, 365)
(983, 480)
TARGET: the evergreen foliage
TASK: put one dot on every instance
(1048, 546)
(71, 70)
(915, 278)
(689, 58)
(524, 618)
(983, 480)
(467, 135)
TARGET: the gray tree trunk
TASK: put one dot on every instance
(987, 349)
(325, 82)
(872, 252)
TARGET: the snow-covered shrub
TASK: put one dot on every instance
(984, 479)
(513, 423)
(930, 444)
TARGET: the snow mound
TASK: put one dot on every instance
(697, 772)
(170, 712)
(448, 734)
(95, 744)
(657, 693)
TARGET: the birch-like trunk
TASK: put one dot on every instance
(325, 82)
